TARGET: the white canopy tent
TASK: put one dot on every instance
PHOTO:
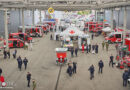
(72, 31)
(107, 29)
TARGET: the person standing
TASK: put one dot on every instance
(89, 47)
(69, 70)
(92, 36)
(72, 52)
(5, 54)
(74, 67)
(96, 48)
(103, 44)
(8, 53)
(51, 37)
(125, 77)
(91, 69)
(20, 63)
(111, 60)
(14, 53)
(93, 47)
(101, 65)
(0, 71)
(25, 61)
(82, 48)
(107, 46)
(76, 51)
(34, 84)
(28, 78)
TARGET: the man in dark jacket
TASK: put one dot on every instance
(8, 53)
(28, 78)
(96, 48)
(101, 65)
(76, 51)
(92, 36)
(0, 71)
(25, 61)
(125, 77)
(91, 69)
(89, 47)
(5, 54)
(20, 63)
(72, 51)
(74, 67)
(93, 47)
(111, 60)
(70, 70)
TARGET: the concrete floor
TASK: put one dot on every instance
(45, 71)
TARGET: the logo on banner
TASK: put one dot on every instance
(72, 32)
(50, 10)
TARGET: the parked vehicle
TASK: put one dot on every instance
(22, 36)
(32, 31)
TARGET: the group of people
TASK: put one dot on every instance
(6, 54)
(105, 44)
(92, 69)
(20, 62)
(74, 50)
(72, 69)
(88, 48)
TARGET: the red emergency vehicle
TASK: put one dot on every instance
(45, 27)
(22, 36)
(50, 23)
(32, 31)
(15, 43)
(61, 55)
(114, 37)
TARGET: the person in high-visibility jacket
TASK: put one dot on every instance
(82, 48)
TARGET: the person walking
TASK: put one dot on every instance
(89, 47)
(101, 65)
(107, 46)
(69, 70)
(28, 78)
(125, 77)
(93, 47)
(96, 48)
(91, 69)
(8, 53)
(92, 36)
(103, 44)
(51, 38)
(5, 54)
(0, 71)
(74, 67)
(111, 60)
(25, 61)
(14, 53)
(34, 84)
(76, 52)
(72, 52)
(19, 63)
(82, 48)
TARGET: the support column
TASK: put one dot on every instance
(104, 19)
(33, 17)
(125, 22)
(95, 15)
(6, 28)
(112, 19)
(23, 21)
(40, 16)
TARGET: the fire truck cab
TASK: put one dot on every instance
(114, 37)
(22, 36)
(32, 31)
(15, 43)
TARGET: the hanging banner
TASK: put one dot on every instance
(50, 10)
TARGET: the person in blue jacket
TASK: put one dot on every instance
(125, 77)
(91, 69)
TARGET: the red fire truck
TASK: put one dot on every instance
(22, 36)
(32, 31)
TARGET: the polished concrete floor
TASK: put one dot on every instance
(44, 70)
